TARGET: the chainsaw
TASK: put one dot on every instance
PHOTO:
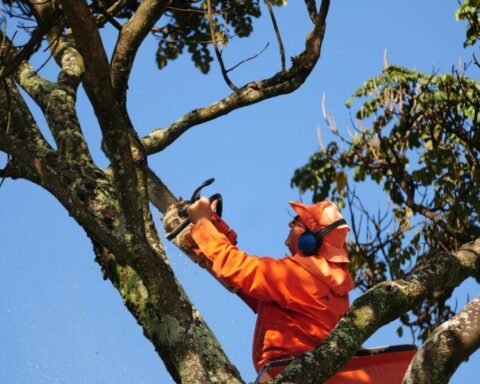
(182, 209)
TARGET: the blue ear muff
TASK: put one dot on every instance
(310, 242)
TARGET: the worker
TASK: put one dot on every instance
(298, 299)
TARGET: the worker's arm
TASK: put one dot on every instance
(265, 279)
(206, 263)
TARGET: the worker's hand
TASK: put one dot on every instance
(199, 210)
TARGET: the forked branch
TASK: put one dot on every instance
(253, 92)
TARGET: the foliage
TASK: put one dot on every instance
(185, 28)
(470, 11)
(417, 137)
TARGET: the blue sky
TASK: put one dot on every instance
(61, 323)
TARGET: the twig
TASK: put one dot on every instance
(186, 41)
(116, 7)
(277, 32)
(250, 58)
(33, 44)
(196, 10)
(110, 17)
(217, 51)
(52, 46)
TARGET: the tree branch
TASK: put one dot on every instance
(211, 22)
(44, 25)
(312, 9)
(25, 75)
(449, 345)
(62, 47)
(56, 102)
(277, 32)
(121, 143)
(254, 92)
(185, 343)
(377, 307)
(17, 125)
(131, 36)
(158, 193)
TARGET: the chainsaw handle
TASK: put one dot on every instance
(196, 193)
(195, 196)
(217, 197)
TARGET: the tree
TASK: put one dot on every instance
(112, 205)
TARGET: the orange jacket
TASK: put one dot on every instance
(298, 299)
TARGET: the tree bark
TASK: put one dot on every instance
(449, 345)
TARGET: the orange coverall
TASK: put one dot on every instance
(298, 299)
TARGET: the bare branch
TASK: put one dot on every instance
(277, 32)
(253, 92)
(312, 9)
(108, 14)
(449, 345)
(211, 22)
(131, 36)
(248, 59)
(25, 74)
(158, 193)
(44, 25)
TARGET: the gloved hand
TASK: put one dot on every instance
(184, 240)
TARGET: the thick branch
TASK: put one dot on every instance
(254, 92)
(180, 336)
(58, 106)
(450, 345)
(121, 143)
(132, 35)
(61, 46)
(158, 193)
(377, 307)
